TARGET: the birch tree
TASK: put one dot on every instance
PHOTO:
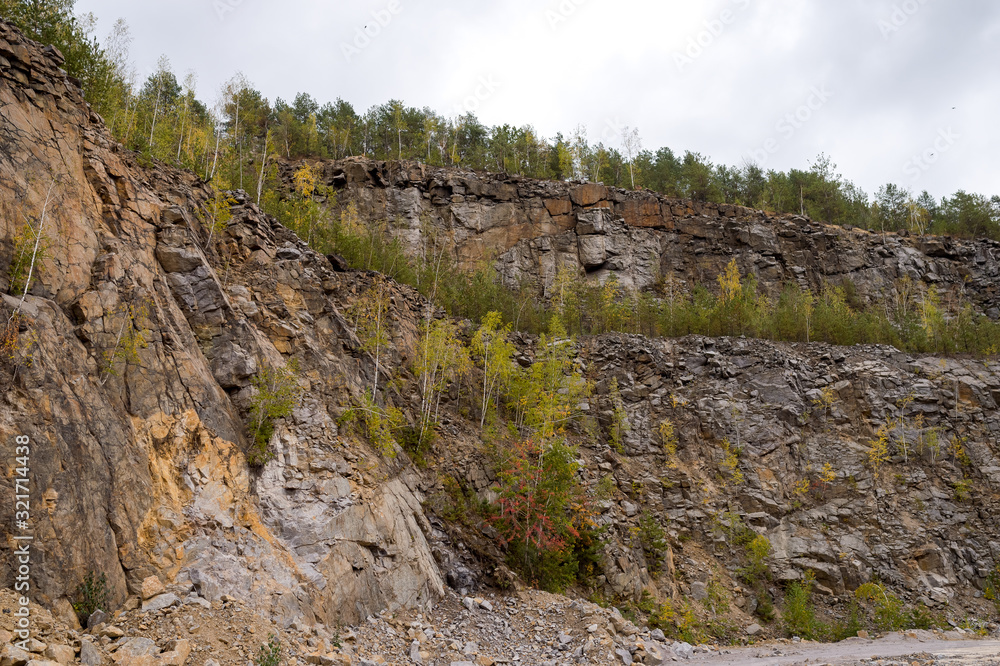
(490, 344)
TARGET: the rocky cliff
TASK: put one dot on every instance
(137, 464)
(131, 361)
(532, 228)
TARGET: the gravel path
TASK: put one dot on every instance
(915, 647)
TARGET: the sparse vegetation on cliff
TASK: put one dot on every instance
(276, 394)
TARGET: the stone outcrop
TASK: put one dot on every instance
(137, 463)
(795, 411)
(532, 229)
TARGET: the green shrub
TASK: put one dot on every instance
(417, 444)
(677, 621)
(380, 425)
(652, 538)
(276, 395)
(889, 611)
(800, 616)
(851, 626)
(717, 600)
(619, 418)
(992, 589)
(269, 654)
(92, 595)
(30, 252)
(542, 514)
(457, 503)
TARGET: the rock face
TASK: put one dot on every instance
(137, 466)
(809, 413)
(532, 229)
(131, 368)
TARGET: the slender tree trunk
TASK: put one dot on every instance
(263, 164)
(236, 137)
(34, 251)
(152, 128)
(215, 160)
(180, 141)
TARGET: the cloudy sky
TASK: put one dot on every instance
(903, 91)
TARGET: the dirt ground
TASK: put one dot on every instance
(915, 648)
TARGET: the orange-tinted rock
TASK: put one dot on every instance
(559, 206)
(588, 194)
(643, 213)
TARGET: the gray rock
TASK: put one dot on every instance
(289, 253)
(178, 259)
(194, 599)
(657, 654)
(338, 263)
(593, 221)
(160, 602)
(593, 252)
(137, 647)
(625, 656)
(232, 365)
(96, 618)
(415, 652)
(89, 656)
(682, 650)
(699, 591)
(754, 629)
(14, 656)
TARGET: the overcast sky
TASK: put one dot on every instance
(903, 91)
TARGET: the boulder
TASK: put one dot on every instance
(151, 586)
(160, 602)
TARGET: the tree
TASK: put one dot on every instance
(541, 511)
(276, 393)
(547, 395)
(246, 113)
(969, 214)
(491, 345)
(753, 183)
(824, 189)
(161, 92)
(631, 145)
(697, 180)
(665, 174)
(892, 213)
(370, 313)
(443, 359)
